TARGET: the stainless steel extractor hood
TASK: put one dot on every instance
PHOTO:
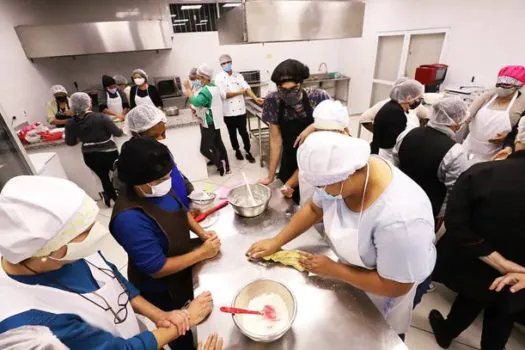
(287, 20)
(74, 39)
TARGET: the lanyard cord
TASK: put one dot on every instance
(54, 280)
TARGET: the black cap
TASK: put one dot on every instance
(290, 70)
(143, 160)
(107, 81)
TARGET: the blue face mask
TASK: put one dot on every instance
(196, 84)
(325, 196)
(227, 67)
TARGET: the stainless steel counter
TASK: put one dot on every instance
(184, 119)
(331, 315)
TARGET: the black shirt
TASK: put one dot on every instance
(152, 92)
(389, 122)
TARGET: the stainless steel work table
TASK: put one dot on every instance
(330, 315)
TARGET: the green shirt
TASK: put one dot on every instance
(203, 99)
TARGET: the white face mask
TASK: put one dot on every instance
(139, 81)
(504, 92)
(159, 190)
(327, 196)
(89, 246)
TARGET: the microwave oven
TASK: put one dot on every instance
(168, 86)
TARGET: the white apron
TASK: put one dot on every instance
(412, 122)
(115, 104)
(486, 125)
(146, 100)
(216, 108)
(23, 297)
(342, 229)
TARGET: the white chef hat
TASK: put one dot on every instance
(326, 157)
(144, 117)
(39, 214)
(331, 115)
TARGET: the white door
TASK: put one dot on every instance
(400, 53)
(423, 49)
(388, 60)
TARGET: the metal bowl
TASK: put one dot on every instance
(204, 201)
(261, 193)
(171, 111)
(256, 288)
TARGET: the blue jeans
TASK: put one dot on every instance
(421, 290)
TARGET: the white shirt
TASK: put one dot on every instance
(396, 234)
(232, 106)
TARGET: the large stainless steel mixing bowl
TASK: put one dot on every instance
(256, 288)
(261, 192)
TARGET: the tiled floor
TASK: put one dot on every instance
(419, 336)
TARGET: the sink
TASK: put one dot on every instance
(324, 76)
(319, 76)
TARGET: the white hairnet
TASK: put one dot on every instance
(58, 89)
(225, 58)
(449, 111)
(406, 90)
(331, 115)
(80, 103)
(39, 215)
(141, 72)
(120, 79)
(326, 158)
(520, 136)
(30, 338)
(205, 71)
(144, 117)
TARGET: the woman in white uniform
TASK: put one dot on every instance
(493, 115)
(378, 220)
(112, 101)
(52, 274)
(143, 93)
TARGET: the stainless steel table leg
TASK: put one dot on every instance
(260, 142)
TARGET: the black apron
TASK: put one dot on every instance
(290, 130)
(177, 230)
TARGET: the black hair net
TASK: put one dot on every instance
(107, 81)
(142, 160)
(290, 70)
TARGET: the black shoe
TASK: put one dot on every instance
(222, 169)
(210, 163)
(238, 155)
(437, 322)
(250, 158)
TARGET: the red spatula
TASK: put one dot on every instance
(268, 311)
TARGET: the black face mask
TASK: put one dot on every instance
(291, 97)
(415, 104)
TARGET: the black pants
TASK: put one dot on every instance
(101, 163)
(238, 123)
(497, 326)
(212, 146)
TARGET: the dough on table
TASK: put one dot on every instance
(288, 258)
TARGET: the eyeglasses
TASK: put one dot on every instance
(121, 314)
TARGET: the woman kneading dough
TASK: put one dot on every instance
(378, 220)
